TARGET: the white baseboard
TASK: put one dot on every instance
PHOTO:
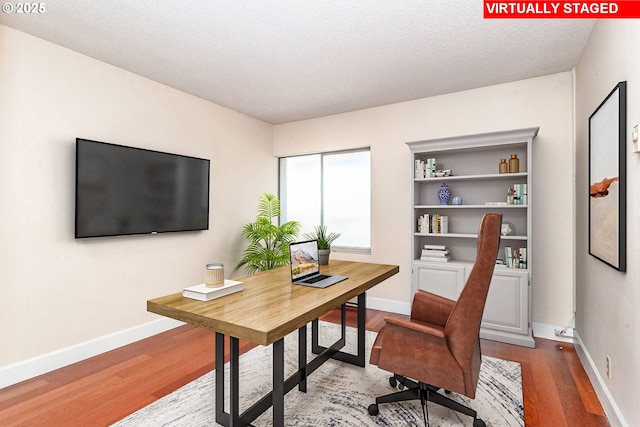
(21, 371)
(389, 305)
(542, 330)
(611, 410)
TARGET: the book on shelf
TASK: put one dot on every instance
(435, 259)
(443, 224)
(425, 168)
(435, 253)
(433, 223)
(443, 173)
(424, 222)
(515, 259)
(436, 247)
(205, 293)
(517, 194)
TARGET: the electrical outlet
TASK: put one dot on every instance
(608, 367)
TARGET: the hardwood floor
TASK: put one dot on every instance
(108, 387)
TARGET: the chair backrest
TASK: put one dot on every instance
(463, 325)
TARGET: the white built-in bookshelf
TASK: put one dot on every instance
(472, 164)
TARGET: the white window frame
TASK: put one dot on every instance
(364, 250)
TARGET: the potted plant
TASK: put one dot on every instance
(324, 242)
(268, 243)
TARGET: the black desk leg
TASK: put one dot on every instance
(220, 418)
(302, 358)
(234, 381)
(278, 383)
(355, 359)
(232, 418)
(362, 322)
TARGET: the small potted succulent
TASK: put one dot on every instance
(324, 242)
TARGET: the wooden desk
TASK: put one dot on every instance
(264, 312)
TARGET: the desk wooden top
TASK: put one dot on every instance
(270, 306)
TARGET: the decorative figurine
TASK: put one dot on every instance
(444, 194)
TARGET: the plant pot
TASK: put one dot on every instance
(323, 256)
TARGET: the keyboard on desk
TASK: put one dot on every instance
(316, 278)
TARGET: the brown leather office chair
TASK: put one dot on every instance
(439, 347)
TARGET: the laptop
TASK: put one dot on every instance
(305, 269)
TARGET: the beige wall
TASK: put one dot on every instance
(546, 102)
(607, 301)
(56, 291)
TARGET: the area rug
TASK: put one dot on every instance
(338, 394)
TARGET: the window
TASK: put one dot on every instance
(332, 189)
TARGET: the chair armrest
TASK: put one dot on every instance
(415, 326)
(431, 308)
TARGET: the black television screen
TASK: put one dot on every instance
(125, 190)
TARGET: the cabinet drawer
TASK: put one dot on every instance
(445, 280)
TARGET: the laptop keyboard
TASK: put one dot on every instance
(316, 279)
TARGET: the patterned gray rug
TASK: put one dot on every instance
(338, 394)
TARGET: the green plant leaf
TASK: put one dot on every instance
(268, 206)
(268, 243)
(320, 234)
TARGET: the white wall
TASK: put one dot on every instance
(55, 291)
(607, 301)
(546, 102)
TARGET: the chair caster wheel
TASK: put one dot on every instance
(447, 392)
(400, 386)
(393, 382)
(476, 423)
(373, 410)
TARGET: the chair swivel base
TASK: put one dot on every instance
(423, 392)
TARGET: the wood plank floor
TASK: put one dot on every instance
(108, 387)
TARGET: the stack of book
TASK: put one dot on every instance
(517, 194)
(435, 253)
(425, 168)
(205, 293)
(433, 223)
(515, 259)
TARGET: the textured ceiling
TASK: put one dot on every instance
(282, 61)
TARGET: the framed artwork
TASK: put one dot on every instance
(607, 179)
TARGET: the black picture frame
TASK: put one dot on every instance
(607, 179)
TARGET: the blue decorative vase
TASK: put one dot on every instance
(444, 194)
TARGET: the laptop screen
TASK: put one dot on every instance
(304, 259)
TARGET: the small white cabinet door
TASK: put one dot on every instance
(507, 306)
(446, 280)
(506, 312)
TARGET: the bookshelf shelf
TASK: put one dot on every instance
(472, 161)
(466, 236)
(501, 176)
(487, 207)
(465, 264)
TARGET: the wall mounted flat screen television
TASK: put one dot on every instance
(125, 190)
